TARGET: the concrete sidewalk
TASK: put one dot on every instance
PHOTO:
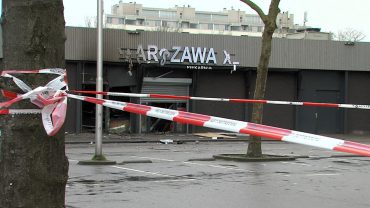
(182, 138)
(152, 138)
(177, 177)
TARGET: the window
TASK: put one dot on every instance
(164, 23)
(254, 29)
(150, 13)
(140, 22)
(121, 21)
(203, 17)
(219, 18)
(185, 25)
(203, 26)
(219, 27)
(130, 22)
(210, 26)
(255, 20)
(194, 25)
(109, 20)
(235, 28)
(167, 14)
(150, 23)
(172, 24)
(158, 23)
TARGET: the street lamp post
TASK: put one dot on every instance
(99, 158)
(99, 83)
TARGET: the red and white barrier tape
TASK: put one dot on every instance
(19, 111)
(51, 98)
(165, 96)
(37, 71)
(234, 126)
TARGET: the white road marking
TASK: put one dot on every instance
(193, 163)
(324, 174)
(154, 158)
(142, 171)
(168, 160)
(184, 178)
(176, 180)
(295, 163)
(217, 166)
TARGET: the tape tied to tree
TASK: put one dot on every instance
(50, 99)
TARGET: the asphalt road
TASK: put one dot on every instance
(171, 180)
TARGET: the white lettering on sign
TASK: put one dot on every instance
(186, 55)
(211, 56)
(179, 54)
(177, 51)
(152, 52)
(199, 53)
(164, 53)
(227, 58)
(199, 67)
(140, 53)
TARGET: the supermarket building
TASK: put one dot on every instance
(219, 66)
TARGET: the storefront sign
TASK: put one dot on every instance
(179, 54)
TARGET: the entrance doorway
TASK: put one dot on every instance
(328, 120)
(118, 120)
(88, 111)
(171, 86)
(156, 125)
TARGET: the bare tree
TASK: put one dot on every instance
(33, 166)
(89, 21)
(269, 20)
(350, 35)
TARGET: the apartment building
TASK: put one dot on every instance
(186, 19)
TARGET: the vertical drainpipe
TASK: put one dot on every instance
(79, 83)
(345, 119)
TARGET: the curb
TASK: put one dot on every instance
(134, 161)
(180, 141)
(243, 158)
(97, 162)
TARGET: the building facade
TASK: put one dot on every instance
(219, 66)
(309, 34)
(186, 19)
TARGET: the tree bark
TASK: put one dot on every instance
(254, 146)
(33, 166)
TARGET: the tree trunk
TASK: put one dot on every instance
(254, 146)
(33, 166)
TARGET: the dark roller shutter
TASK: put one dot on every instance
(171, 86)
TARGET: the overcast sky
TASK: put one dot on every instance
(329, 15)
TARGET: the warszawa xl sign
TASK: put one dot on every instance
(178, 54)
